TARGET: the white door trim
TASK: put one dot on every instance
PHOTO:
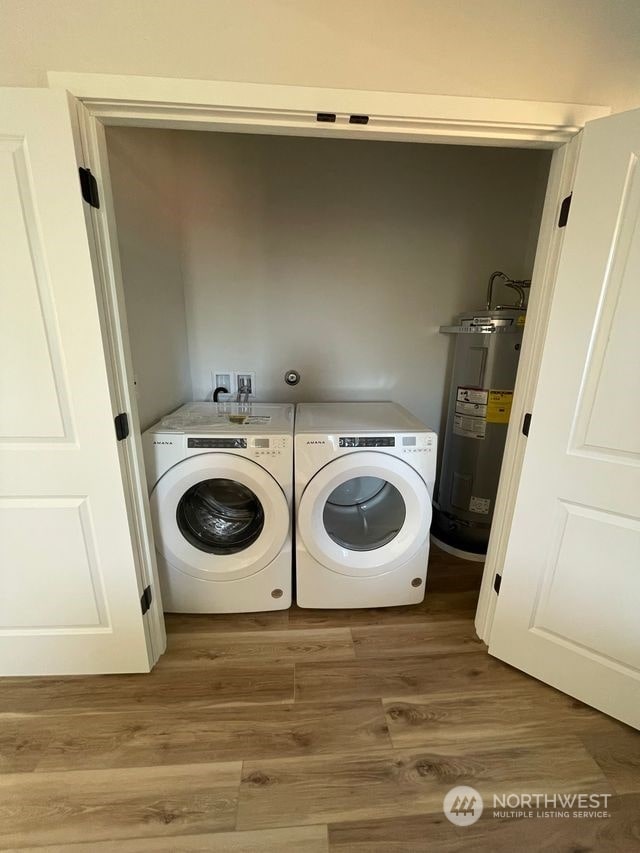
(103, 240)
(292, 110)
(563, 167)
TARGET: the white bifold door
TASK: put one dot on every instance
(568, 611)
(69, 592)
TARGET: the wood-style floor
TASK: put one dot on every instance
(310, 731)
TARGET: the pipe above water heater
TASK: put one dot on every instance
(518, 285)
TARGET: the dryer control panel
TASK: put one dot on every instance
(367, 441)
(423, 443)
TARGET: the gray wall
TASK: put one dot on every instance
(341, 259)
(143, 178)
(338, 258)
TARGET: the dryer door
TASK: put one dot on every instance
(219, 517)
(364, 514)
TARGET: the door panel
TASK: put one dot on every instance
(568, 605)
(586, 537)
(54, 538)
(609, 404)
(69, 599)
(35, 401)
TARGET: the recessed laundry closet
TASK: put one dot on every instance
(319, 464)
(246, 257)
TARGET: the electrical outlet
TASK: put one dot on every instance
(223, 379)
(246, 382)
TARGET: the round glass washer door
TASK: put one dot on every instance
(364, 514)
(220, 516)
(217, 516)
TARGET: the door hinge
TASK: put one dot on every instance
(122, 426)
(89, 187)
(496, 583)
(145, 600)
(526, 423)
(564, 211)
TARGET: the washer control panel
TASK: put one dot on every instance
(217, 443)
(273, 446)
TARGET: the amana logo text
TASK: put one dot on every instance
(163, 442)
(319, 441)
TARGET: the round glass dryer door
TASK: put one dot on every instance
(364, 513)
(220, 516)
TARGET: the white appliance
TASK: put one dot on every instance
(364, 478)
(220, 477)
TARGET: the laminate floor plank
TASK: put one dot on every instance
(528, 711)
(22, 741)
(618, 754)
(432, 638)
(192, 650)
(67, 807)
(152, 738)
(402, 675)
(290, 839)
(386, 783)
(237, 684)
(433, 833)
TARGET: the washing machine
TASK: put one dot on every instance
(220, 478)
(364, 478)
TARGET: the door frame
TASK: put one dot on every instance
(206, 105)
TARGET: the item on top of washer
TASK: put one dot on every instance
(204, 415)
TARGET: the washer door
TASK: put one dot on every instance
(364, 514)
(218, 516)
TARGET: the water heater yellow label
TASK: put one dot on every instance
(499, 407)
